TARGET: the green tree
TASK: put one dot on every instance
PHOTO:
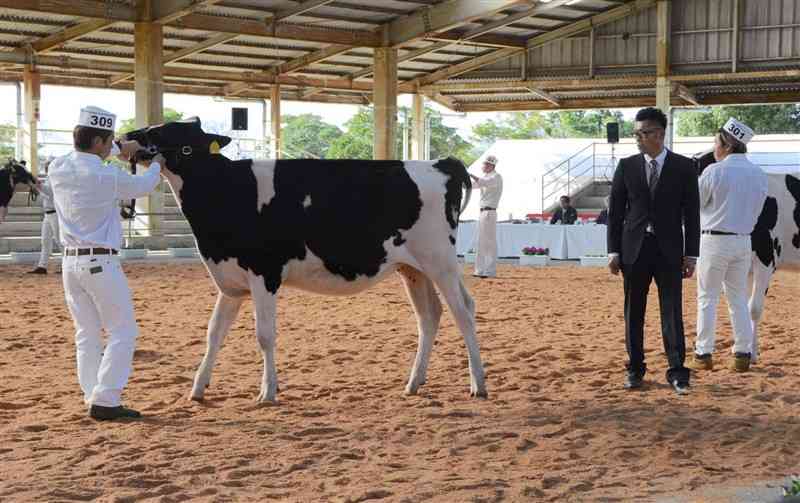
(509, 126)
(8, 141)
(170, 115)
(763, 119)
(307, 135)
(357, 140)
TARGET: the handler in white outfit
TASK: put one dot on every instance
(732, 195)
(86, 193)
(49, 224)
(491, 185)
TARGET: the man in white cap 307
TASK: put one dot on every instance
(86, 193)
(732, 195)
(491, 185)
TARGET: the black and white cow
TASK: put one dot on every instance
(13, 176)
(775, 239)
(333, 227)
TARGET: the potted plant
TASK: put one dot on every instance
(791, 492)
(594, 260)
(469, 257)
(534, 256)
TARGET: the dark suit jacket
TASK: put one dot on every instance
(602, 218)
(674, 211)
(570, 216)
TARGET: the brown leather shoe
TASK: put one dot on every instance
(101, 413)
(741, 362)
(702, 362)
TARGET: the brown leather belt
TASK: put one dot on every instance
(486, 208)
(71, 252)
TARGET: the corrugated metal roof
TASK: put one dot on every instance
(702, 43)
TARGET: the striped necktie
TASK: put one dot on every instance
(653, 177)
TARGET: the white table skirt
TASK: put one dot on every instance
(564, 241)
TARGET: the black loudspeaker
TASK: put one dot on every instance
(612, 132)
(239, 119)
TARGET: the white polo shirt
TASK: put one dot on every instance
(491, 186)
(732, 195)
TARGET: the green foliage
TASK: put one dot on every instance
(793, 489)
(357, 140)
(8, 141)
(307, 135)
(562, 124)
(763, 119)
(170, 115)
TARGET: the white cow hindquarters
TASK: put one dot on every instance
(723, 264)
(486, 258)
(98, 297)
(49, 235)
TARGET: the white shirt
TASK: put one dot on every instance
(46, 194)
(732, 195)
(87, 192)
(491, 186)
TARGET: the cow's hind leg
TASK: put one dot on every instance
(428, 309)
(225, 312)
(761, 276)
(265, 310)
(462, 308)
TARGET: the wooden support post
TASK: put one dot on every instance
(33, 86)
(418, 152)
(149, 90)
(385, 102)
(275, 115)
(663, 86)
(735, 36)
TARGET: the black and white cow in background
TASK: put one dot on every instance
(13, 175)
(333, 227)
(775, 239)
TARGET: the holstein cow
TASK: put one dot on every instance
(13, 175)
(775, 239)
(333, 227)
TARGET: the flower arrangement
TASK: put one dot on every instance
(532, 250)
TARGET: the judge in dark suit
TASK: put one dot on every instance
(654, 233)
(566, 214)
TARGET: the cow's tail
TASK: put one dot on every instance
(466, 183)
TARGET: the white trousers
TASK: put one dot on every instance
(723, 266)
(49, 236)
(98, 297)
(486, 257)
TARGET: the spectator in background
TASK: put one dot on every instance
(602, 218)
(566, 214)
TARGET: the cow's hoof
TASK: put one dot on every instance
(410, 391)
(198, 399)
(479, 394)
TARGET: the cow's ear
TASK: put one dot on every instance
(217, 142)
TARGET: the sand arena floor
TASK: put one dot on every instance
(557, 426)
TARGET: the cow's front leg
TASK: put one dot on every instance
(225, 312)
(761, 277)
(264, 307)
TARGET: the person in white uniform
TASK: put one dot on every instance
(49, 224)
(732, 194)
(86, 193)
(491, 185)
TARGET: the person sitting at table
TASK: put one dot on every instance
(602, 218)
(566, 214)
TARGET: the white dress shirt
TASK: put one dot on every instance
(87, 192)
(491, 186)
(732, 195)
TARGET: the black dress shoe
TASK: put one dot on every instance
(633, 381)
(38, 270)
(109, 413)
(680, 387)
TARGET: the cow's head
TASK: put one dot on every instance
(703, 160)
(178, 140)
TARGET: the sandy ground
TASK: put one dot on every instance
(557, 427)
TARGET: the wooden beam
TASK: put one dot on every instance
(544, 95)
(722, 77)
(496, 40)
(537, 41)
(557, 84)
(32, 85)
(297, 10)
(686, 94)
(183, 53)
(406, 57)
(385, 98)
(512, 18)
(167, 11)
(443, 100)
(83, 8)
(68, 34)
(442, 17)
